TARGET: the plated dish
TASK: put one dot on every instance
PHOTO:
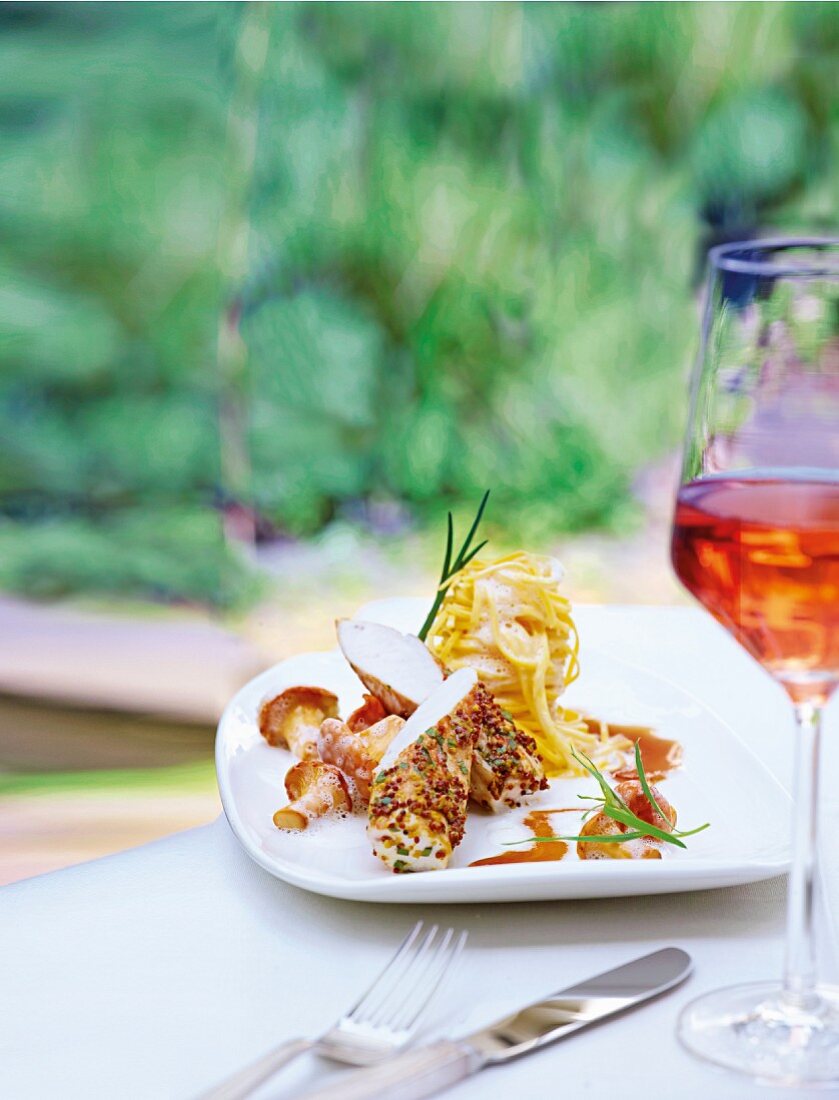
(465, 759)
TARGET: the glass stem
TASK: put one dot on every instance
(800, 961)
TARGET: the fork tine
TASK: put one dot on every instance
(406, 980)
(419, 976)
(405, 986)
(445, 962)
(389, 968)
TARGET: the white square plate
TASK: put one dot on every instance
(720, 781)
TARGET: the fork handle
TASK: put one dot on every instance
(244, 1082)
(409, 1076)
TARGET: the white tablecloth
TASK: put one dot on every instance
(153, 973)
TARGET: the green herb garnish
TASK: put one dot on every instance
(645, 787)
(613, 806)
(450, 568)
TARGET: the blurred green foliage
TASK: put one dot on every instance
(472, 238)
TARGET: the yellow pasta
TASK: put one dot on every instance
(508, 621)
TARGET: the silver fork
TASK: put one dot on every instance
(382, 1021)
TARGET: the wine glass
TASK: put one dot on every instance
(756, 540)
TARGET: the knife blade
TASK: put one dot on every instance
(431, 1069)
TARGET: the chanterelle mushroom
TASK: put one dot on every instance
(315, 789)
(357, 752)
(292, 719)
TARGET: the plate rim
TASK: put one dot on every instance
(681, 877)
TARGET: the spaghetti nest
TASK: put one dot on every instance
(508, 621)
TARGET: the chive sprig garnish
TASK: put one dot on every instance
(613, 806)
(451, 568)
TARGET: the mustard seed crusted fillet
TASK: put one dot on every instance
(506, 766)
(418, 799)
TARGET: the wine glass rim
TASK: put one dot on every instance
(725, 257)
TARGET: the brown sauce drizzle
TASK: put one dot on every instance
(660, 756)
(548, 852)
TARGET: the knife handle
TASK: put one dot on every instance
(408, 1076)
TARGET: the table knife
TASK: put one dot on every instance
(436, 1067)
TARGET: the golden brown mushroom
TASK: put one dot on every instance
(315, 789)
(292, 719)
(357, 753)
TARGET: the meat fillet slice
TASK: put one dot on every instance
(396, 668)
(418, 800)
(400, 672)
(506, 766)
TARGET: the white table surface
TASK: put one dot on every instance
(153, 973)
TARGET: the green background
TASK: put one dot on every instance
(358, 262)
